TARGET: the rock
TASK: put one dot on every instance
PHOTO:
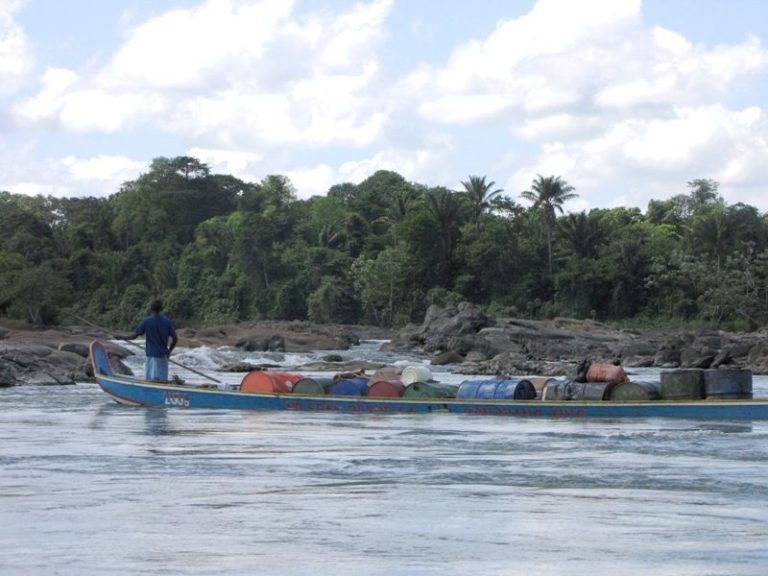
(7, 377)
(446, 358)
(351, 366)
(332, 358)
(245, 367)
(76, 347)
(475, 356)
(520, 344)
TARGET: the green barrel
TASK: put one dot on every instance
(312, 386)
(685, 384)
(590, 390)
(727, 384)
(636, 390)
(430, 390)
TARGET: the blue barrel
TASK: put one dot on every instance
(729, 383)
(350, 387)
(519, 389)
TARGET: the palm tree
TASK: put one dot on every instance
(480, 195)
(582, 235)
(548, 195)
(445, 207)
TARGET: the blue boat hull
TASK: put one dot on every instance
(136, 392)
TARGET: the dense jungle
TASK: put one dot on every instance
(219, 250)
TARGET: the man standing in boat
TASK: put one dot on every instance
(158, 330)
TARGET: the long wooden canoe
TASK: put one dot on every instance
(137, 392)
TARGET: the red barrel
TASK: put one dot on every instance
(264, 382)
(386, 389)
(605, 373)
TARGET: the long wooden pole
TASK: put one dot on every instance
(109, 333)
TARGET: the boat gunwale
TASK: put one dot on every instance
(211, 389)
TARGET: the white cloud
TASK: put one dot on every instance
(313, 181)
(637, 160)
(622, 111)
(574, 59)
(102, 168)
(16, 58)
(232, 74)
(226, 161)
(22, 173)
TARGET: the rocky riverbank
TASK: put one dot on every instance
(462, 335)
(486, 345)
(60, 355)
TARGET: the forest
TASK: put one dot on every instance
(218, 250)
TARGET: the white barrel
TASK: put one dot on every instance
(411, 374)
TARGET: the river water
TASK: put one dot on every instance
(89, 487)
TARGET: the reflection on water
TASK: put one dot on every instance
(90, 487)
(156, 421)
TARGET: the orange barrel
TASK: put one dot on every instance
(635, 390)
(730, 383)
(265, 382)
(386, 389)
(605, 373)
(687, 384)
(312, 386)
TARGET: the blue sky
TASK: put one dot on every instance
(627, 100)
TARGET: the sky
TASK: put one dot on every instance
(625, 100)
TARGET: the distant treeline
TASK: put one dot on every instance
(220, 250)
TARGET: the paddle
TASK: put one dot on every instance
(112, 335)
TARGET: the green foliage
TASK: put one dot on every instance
(333, 302)
(218, 249)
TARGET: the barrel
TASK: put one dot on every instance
(636, 390)
(686, 384)
(513, 389)
(349, 387)
(557, 390)
(598, 372)
(386, 389)
(539, 382)
(569, 390)
(386, 373)
(312, 386)
(430, 390)
(727, 384)
(411, 374)
(266, 382)
(591, 390)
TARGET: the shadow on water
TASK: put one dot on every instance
(156, 422)
(155, 419)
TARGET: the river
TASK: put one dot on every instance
(89, 487)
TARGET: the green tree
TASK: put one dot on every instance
(480, 194)
(548, 194)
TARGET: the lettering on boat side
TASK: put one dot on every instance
(568, 412)
(357, 408)
(510, 411)
(177, 399)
